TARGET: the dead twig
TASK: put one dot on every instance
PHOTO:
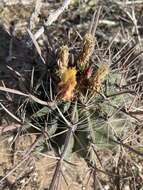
(53, 16)
(35, 15)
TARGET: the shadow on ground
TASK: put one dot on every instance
(15, 59)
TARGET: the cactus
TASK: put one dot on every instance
(92, 120)
(88, 106)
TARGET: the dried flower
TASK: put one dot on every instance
(84, 81)
(99, 77)
(63, 59)
(67, 84)
(88, 48)
(88, 72)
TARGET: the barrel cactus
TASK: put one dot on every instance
(89, 103)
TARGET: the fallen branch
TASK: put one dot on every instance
(53, 16)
